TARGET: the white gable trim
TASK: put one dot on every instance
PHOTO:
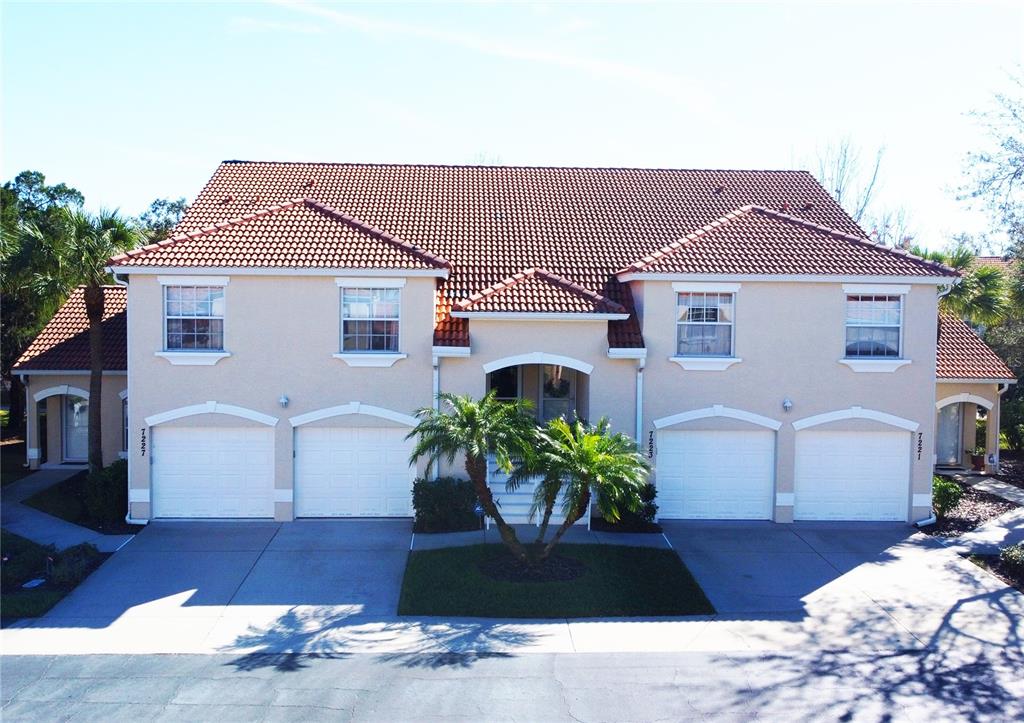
(60, 389)
(964, 397)
(538, 357)
(210, 408)
(354, 408)
(718, 411)
(856, 413)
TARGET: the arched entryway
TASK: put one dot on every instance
(68, 413)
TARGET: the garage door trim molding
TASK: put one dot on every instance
(856, 413)
(354, 408)
(211, 408)
(539, 357)
(964, 397)
(718, 411)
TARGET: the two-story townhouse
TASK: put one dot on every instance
(772, 361)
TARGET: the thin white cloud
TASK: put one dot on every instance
(668, 85)
(248, 24)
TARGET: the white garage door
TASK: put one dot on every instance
(716, 475)
(852, 475)
(353, 472)
(213, 472)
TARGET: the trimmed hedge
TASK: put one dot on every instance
(444, 505)
(106, 494)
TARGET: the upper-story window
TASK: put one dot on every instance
(194, 318)
(704, 324)
(874, 326)
(369, 319)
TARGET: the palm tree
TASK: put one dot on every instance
(76, 254)
(475, 429)
(981, 295)
(580, 461)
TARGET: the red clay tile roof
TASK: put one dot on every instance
(63, 344)
(583, 224)
(539, 291)
(1003, 263)
(757, 240)
(962, 354)
(300, 233)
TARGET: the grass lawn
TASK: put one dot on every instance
(618, 581)
(12, 459)
(66, 500)
(24, 560)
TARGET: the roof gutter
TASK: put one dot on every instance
(270, 271)
(789, 278)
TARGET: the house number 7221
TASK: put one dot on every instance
(920, 443)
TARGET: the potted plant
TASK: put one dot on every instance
(978, 459)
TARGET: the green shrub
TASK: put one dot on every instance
(106, 494)
(444, 505)
(22, 560)
(946, 495)
(643, 519)
(1013, 557)
(74, 564)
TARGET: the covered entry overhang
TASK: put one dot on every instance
(967, 422)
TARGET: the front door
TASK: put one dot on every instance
(950, 437)
(76, 429)
(558, 393)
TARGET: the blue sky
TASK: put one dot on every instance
(130, 102)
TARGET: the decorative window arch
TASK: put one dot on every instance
(718, 411)
(210, 408)
(354, 408)
(965, 397)
(856, 413)
(538, 357)
(60, 389)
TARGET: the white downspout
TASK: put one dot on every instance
(639, 401)
(998, 409)
(28, 410)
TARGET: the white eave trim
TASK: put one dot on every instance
(718, 410)
(875, 365)
(965, 397)
(456, 351)
(60, 389)
(856, 413)
(955, 380)
(892, 289)
(705, 364)
(80, 372)
(246, 271)
(210, 408)
(192, 280)
(369, 282)
(193, 358)
(627, 352)
(795, 278)
(536, 316)
(720, 287)
(370, 359)
(354, 408)
(538, 357)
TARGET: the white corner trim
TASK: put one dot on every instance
(369, 359)
(538, 357)
(122, 454)
(890, 289)
(719, 286)
(883, 366)
(922, 500)
(964, 397)
(193, 358)
(60, 389)
(354, 408)
(705, 364)
(138, 495)
(450, 351)
(537, 316)
(192, 280)
(284, 495)
(210, 408)
(784, 499)
(856, 413)
(718, 411)
(123, 394)
(369, 282)
(33, 453)
(627, 352)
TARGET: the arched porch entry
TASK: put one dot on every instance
(956, 429)
(556, 385)
(65, 414)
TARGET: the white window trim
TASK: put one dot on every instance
(193, 358)
(709, 286)
(892, 363)
(877, 289)
(368, 282)
(705, 363)
(870, 365)
(369, 358)
(192, 280)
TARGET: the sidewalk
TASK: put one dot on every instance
(43, 528)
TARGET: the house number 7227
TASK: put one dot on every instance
(142, 445)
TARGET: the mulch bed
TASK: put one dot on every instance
(975, 508)
(511, 569)
(600, 524)
(1012, 469)
(992, 563)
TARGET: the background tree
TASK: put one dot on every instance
(981, 295)
(76, 254)
(161, 217)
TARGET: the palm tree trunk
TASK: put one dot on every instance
(549, 506)
(570, 520)
(476, 469)
(94, 312)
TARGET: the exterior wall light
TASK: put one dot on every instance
(283, 401)
(787, 404)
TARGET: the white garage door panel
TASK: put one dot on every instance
(715, 474)
(353, 472)
(852, 476)
(213, 472)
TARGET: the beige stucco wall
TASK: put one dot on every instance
(113, 385)
(281, 332)
(790, 337)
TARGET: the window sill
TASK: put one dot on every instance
(875, 365)
(193, 358)
(370, 359)
(705, 364)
